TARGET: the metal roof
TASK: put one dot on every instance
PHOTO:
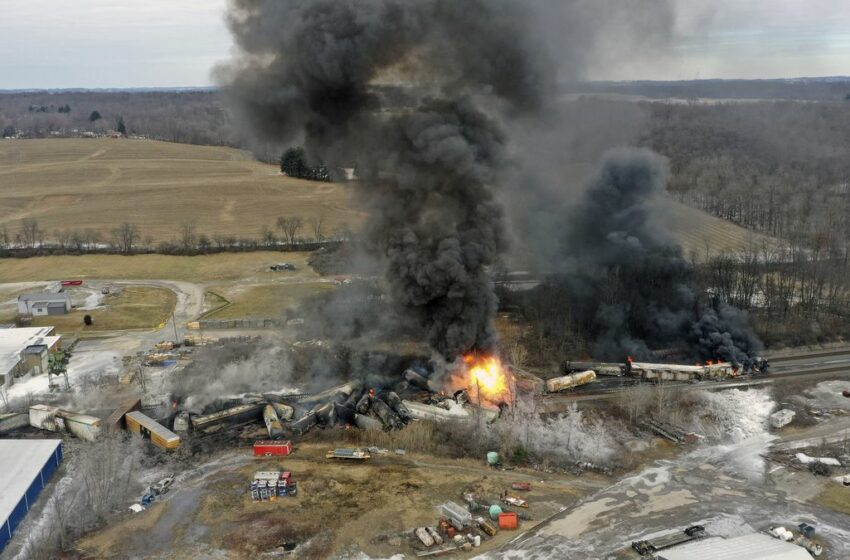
(152, 425)
(13, 341)
(21, 461)
(45, 296)
(756, 546)
(35, 349)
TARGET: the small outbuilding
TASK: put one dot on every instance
(45, 303)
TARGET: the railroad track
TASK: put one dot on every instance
(556, 403)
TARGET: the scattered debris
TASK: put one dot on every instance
(672, 432)
(650, 546)
(514, 501)
(805, 459)
(782, 418)
(344, 453)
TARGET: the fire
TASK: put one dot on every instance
(488, 377)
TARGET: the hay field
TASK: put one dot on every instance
(77, 183)
(100, 183)
(219, 267)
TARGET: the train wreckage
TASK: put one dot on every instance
(480, 390)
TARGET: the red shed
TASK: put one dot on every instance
(271, 448)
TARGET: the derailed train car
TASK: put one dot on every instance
(678, 372)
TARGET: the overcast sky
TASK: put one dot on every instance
(167, 43)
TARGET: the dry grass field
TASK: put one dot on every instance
(220, 267)
(133, 307)
(99, 183)
(264, 300)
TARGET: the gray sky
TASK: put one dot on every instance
(165, 43)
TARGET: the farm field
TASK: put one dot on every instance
(202, 268)
(77, 183)
(98, 184)
(263, 301)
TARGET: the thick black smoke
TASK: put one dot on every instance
(306, 70)
(630, 285)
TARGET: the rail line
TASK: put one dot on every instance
(557, 403)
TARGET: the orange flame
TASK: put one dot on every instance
(487, 376)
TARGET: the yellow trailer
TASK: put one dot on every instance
(151, 429)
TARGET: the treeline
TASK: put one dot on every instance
(814, 89)
(290, 233)
(192, 117)
(797, 293)
(778, 168)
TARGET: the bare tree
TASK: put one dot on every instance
(267, 236)
(30, 232)
(125, 237)
(517, 354)
(316, 223)
(290, 225)
(91, 238)
(188, 238)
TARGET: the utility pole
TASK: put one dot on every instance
(141, 376)
(174, 324)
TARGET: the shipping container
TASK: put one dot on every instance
(269, 448)
(146, 427)
(508, 520)
(83, 426)
(55, 419)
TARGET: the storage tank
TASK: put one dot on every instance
(398, 406)
(365, 403)
(420, 381)
(284, 411)
(273, 424)
(386, 414)
(566, 382)
(367, 422)
(304, 423)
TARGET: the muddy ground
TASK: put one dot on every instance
(342, 508)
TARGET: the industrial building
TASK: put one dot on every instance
(25, 352)
(44, 304)
(755, 546)
(26, 466)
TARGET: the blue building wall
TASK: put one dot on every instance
(28, 500)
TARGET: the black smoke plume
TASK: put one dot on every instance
(306, 70)
(631, 288)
